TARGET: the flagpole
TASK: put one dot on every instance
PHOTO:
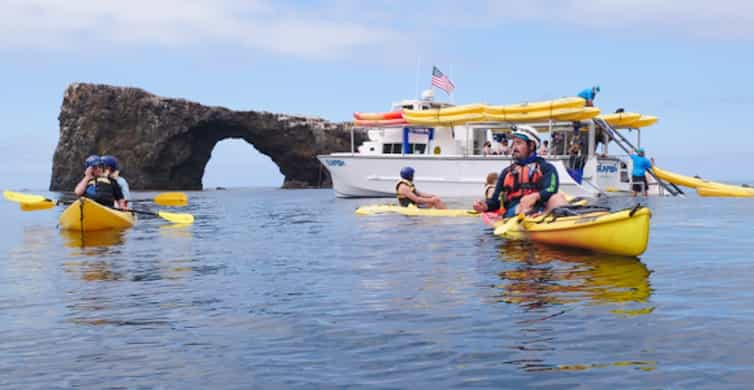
(450, 77)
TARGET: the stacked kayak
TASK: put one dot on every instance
(624, 232)
(87, 215)
(565, 109)
(414, 211)
(628, 120)
(379, 119)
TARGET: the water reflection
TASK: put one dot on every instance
(102, 238)
(548, 283)
(548, 276)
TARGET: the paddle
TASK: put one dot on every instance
(37, 202)
(509, 224)
(180, 218)
(175, 199)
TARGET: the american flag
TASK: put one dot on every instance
(440, 80)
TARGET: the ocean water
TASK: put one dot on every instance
(289, 289)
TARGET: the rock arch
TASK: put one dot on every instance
(165, 143)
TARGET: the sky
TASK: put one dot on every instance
(688, 62)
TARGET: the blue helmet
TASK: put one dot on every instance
(407, 173)
(93, 161)
(111, 162)
(640, 150)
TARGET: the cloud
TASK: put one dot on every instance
(331, 28)
(724, 19)
(61, 24)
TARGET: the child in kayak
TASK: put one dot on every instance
(489, 189)
(97, 186)
(112, 171)
(408, 195)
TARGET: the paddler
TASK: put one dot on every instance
(408, 195)
(97, 186)
(112, 171)
(529, 185)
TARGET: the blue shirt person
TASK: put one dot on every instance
(589, 94)
(639, 172)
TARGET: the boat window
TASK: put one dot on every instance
(408, 106)
(419, 148)
(425, 107)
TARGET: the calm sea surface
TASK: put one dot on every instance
(289, 289)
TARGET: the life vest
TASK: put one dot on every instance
(487, 189)
(402, 200)
(100, 189)
(520, 181)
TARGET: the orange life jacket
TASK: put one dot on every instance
(520, 181)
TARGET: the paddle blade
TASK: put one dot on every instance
(177, 199)
(34, 206)
(508, 225)
(180, 218)
(22, 198)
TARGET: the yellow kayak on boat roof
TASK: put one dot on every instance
(520, 108)
(87, 215)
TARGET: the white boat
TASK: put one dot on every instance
(449, 161)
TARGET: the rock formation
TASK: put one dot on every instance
(165, 144)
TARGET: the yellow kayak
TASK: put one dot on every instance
(723, 190)
(623, 233)
(681, 180)
(87, 215)
(414, 211)
(643, 121)
(620, 119)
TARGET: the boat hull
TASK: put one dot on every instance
(360, 175)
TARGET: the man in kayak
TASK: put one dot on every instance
(97, 186)
(112, 171)
(529, 184)
(639, 172)
(589, 94)
(408, 195)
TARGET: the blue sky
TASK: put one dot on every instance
(688, 62)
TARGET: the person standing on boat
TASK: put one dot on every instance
(96, 186)
(408, 195)
(589, 94)
(529, 184)
(639, 172)
(112, 171)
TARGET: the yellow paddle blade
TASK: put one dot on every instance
(178, 199)
(34, 206)
(22, 198)
(181, 218)
(508, 225)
